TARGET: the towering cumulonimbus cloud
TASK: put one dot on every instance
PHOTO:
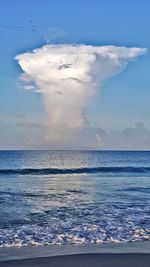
(68, 76)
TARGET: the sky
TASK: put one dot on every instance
(81, 88)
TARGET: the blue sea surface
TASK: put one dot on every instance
(64, 197)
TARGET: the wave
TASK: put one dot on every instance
(47, 171)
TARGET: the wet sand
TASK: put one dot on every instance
(85, 260)
(112, 255)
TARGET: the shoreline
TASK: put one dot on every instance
(29, 252)
(84, 260)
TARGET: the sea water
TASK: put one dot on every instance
(79, 197)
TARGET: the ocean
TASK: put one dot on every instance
(74, 197)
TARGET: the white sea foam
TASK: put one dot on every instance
(36, 235)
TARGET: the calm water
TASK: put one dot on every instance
(63, 197)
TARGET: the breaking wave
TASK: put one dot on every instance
(47, 171)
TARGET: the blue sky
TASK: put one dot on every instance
(124, 99)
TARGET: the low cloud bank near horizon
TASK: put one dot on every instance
(67, 77)
(28, 134)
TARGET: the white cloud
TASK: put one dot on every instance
(68, 76)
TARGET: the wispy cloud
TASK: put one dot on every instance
(54, 35)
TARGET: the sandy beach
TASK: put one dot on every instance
(104, 255)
